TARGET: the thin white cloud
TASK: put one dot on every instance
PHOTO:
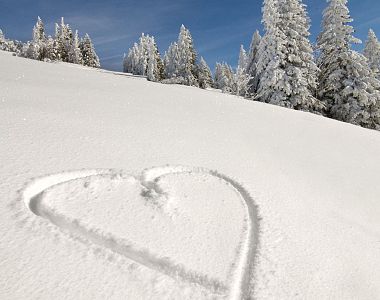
(109, 39)
(371, 22)
(113, 57)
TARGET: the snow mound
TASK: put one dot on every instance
(171, 219)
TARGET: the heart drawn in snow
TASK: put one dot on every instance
(192, 224)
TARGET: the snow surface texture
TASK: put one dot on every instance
(148, 217)
(315, 228)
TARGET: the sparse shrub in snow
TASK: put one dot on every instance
(144, 59)
(204, 74)
(285, 68)
(90, 58)
(347, 84)
(180, 59)
(372, 52)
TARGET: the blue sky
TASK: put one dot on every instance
(218, 26)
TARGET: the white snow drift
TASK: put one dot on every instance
(295, 214)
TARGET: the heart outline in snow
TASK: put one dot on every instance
(239, 289)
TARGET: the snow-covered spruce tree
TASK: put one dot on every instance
(252, 54)
(131, 60)
(155, 66)
(285, 66)
(187, 57)
(243, 59)
(37, 48)
(75, 54)
(171, 61)
(241, 78)
(144, 59)
(219, 80)
(204, 75)
(224, 77)
(9, 45)
(3, 42)
(58, 43)
(159, 71)
(372, 52)
(64, 39)
(152, 68)
(359, 100)
(39, 38)
(15, 46)
(180, 60)
(347, 84)
(52, 49)
(89, 56)
(251, 64)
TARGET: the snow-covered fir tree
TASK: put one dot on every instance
(171, 61)
(372, 52)
(333, 44)
(37, 48)
(224, 77)
(180, 60)
(347, 84)
(187, 57)
(75, 54)
(243, 59)
(9, 45)
(219, 79)
(252, 54)
(52, 50)
(89, 56)
(59, 47)
(131, 60)
(152, 68)
(241, 77)
(160, 64)
(144, 59)
(64, 39)
(285, 66)
(64, 46)
(155, 66)
(359, 100)
(3, 42)
(204, 74)
(251, 63)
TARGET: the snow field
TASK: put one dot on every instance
(314, 181)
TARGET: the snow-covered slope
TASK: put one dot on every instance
(112, 187)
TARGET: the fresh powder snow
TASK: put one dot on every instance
(114, 187)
